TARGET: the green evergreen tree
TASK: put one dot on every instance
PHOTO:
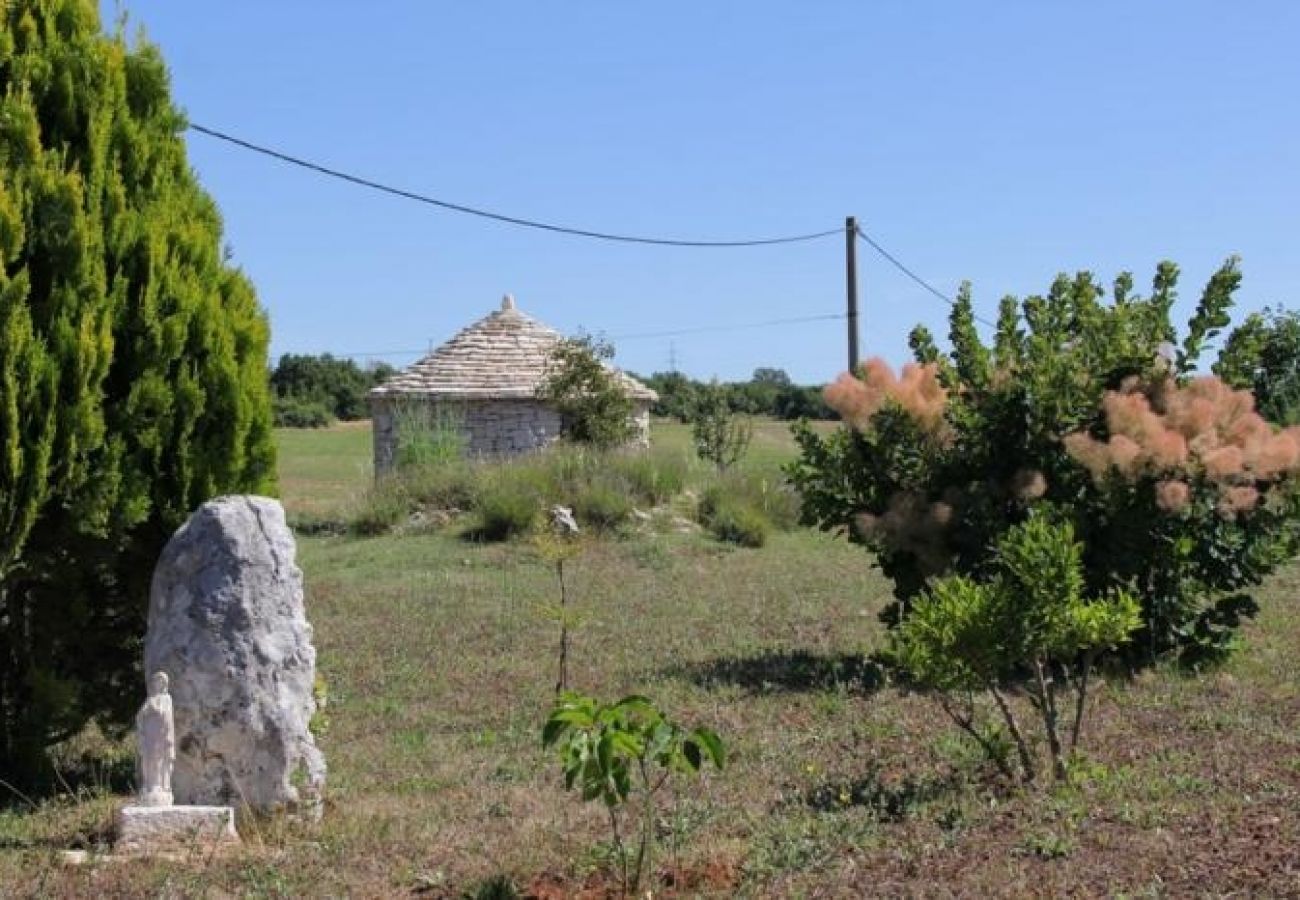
(133, 381)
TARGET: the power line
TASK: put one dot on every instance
(498, 217)
(898, 264)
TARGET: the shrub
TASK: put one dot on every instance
(1177, 490)
(386, 505)
(736, 522)
(720, 436)
(965, 637)
(594, 408)
(291, 412)
(602, 506)
(133, 381)
(506, 509)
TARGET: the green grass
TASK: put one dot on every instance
(440, 658)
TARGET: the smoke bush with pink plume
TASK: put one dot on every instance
(1202, 429)
(916, 389)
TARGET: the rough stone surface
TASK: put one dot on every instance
(162, 829)
(226, 623)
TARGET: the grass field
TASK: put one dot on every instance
(440, 660)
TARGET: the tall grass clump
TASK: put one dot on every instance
(743, 508)
(428, 434)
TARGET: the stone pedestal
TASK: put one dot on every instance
(173, 829)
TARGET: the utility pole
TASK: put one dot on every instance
(851, 286)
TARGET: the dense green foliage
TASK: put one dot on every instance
(1262, 355)
(965, 637)
(612, 751)
(312, 391)
(721, 437)
(1177, 490)
(132, 365)
(594, 407)
(768, 393)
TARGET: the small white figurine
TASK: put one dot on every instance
(156, 732)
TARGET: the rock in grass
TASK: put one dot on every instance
(226, 623)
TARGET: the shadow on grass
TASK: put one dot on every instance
(891, 801)
(83, 775)
(780, 671)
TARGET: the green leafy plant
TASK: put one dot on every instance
(965, 636)
(721, 437)
(1178, 490)
(593, 404)
(615, 752)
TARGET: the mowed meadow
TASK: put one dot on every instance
(439, 657)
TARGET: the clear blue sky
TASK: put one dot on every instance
(997, 142)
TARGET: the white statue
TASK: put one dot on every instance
(156, 732)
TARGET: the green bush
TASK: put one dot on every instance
(506, 509)
(292, 412)
(133, 381)
(602, 507)
(736, 522)
(386, 506)
(1029, 615)
(1178, 491)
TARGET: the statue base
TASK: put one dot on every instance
(146, 830)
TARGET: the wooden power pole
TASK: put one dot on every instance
(851, 286)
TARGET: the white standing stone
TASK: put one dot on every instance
(226, 620)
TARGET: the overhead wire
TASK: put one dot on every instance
(495, 216)
(898, 264)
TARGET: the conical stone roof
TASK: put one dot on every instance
(502, 356)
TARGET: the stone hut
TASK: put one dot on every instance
(484, 382)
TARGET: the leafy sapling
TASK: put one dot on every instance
(556, 544)
(612, 752)
(721, 437)
(965, 637)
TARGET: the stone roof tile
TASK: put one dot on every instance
(501, 356)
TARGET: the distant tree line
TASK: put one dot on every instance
(769, 392)
(313, 391)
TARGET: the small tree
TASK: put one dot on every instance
(965, 636)
(612, 752)
(593, 405)
(721, 436)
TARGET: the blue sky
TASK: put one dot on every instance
(995, 142)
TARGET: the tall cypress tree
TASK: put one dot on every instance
(133, 379)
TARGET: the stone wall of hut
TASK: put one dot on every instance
(490, 428)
